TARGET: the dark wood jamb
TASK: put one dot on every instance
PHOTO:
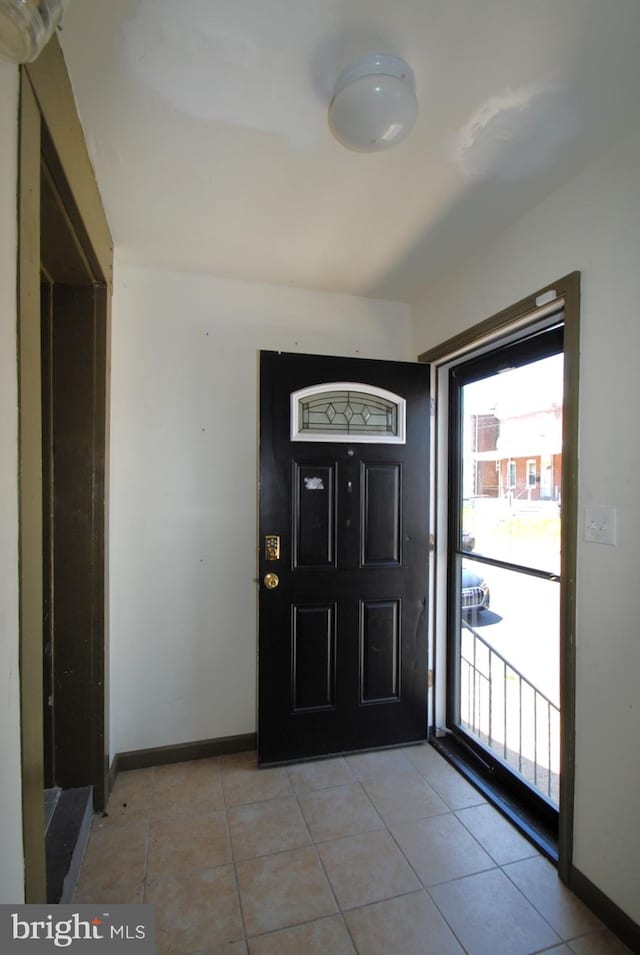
(73, 394)
(49, 124)
(493, 328)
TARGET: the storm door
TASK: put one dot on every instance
(505, 463)
(343, 555)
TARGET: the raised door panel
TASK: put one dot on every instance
(379, 650)
(314, 515)
(313, 657)
(381, 530)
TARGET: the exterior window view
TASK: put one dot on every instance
(509, 564)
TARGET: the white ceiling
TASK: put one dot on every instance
(206, 122)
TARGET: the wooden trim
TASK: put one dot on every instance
(606, 910)
(493, 326)
(102, 391)
(30, 490)
(54, 94)
(48, 122)
(181, 752)
(568, 569)
(74, 391)
(567, 289)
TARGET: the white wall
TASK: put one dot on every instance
(591, 224)
(11, 859)
(183, 486)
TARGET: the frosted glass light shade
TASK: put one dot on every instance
(26, 26)
(374, 105)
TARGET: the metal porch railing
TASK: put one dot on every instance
(510, 715)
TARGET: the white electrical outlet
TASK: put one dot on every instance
(600, 524)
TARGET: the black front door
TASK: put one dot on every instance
(343, 555)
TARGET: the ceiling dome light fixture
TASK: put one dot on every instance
(26, 26)
(374, 105)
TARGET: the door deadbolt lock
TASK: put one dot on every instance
(271, 547)
(271, 581)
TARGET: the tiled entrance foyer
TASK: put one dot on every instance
(390, 852)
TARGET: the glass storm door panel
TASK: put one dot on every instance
(506, 412)
(343, 592)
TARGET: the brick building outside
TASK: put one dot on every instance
(517, 457)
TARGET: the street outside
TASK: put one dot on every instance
(522, 624)
(510, 488)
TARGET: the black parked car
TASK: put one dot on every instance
(475, 591)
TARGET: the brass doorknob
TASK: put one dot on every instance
(271, 581)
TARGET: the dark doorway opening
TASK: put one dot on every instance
(73, 380)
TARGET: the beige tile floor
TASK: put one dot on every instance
(389, 852)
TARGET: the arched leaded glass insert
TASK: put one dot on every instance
(348, 411)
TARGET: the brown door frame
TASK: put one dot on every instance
(565, 290)
(48, 117)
